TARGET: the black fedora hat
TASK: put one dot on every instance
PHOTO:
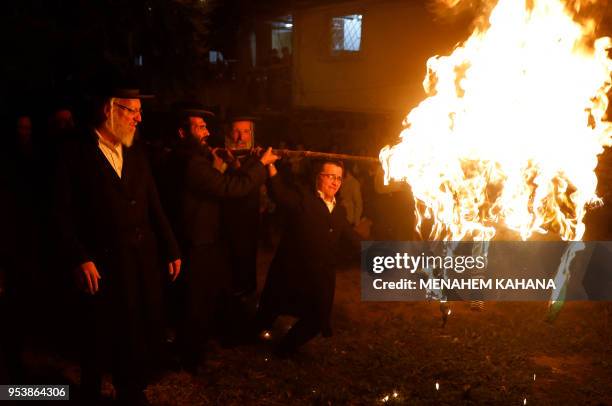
(198, 113)
(102, 93)
(127, 93)
(192, 109)
(111, 81)
(59, 102)
(243, 117)
(112, 84)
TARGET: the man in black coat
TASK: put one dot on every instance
(241, 215)
(113, 232)
(200, 189)
(11, 288)
(302, 278)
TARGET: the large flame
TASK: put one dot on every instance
(511, 129)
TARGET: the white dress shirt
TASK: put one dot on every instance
(329, 203)
(112, 152)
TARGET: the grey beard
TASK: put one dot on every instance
(128, 140)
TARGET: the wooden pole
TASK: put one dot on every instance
(289, 153)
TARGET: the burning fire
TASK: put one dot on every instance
(510, 132)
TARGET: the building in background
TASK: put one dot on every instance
(344, 70)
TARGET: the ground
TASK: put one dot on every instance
(396, 353)
(399, 353)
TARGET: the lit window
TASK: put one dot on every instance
(282, 31)
(215, 57)
(346, 33)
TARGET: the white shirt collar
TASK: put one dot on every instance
(330, 204)
(107, 143)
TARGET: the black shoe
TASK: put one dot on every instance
(193, 367)
(90, 392)
(171, 363)
(133, 399)
(88, 398)
(284, 352)
(196, 371)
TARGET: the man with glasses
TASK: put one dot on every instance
(113, 233)
(241, 216)
(241, 219)
(302, 278)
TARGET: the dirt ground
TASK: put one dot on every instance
(399, 353)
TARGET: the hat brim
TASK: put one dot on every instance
(127, 93)
(244, 118)
(139, 96)
(198, 113)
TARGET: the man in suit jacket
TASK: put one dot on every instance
(114, 233)
(11, 288)
(241, 216)
(200, 189)
(301, 280)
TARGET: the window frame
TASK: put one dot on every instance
(329, 53)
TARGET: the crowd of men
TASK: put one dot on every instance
(153, 243)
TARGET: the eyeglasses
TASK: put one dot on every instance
(135, 112)
(332, 177)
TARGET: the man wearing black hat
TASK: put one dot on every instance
(202, 187)
(113, 231)
(241, 215)
(11, 297)
(192, 133)
(242, 133)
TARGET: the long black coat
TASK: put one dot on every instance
(117, 223)
(241, 217)
(302, 278)
(196, 194)
(198, 190)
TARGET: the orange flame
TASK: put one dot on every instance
(510, 132)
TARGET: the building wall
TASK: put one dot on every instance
(386, 76)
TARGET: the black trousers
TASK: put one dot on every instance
(11, 343)
(243, 261)
(207, 282)
(122, 324)
(12, 335)
(123, 357)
